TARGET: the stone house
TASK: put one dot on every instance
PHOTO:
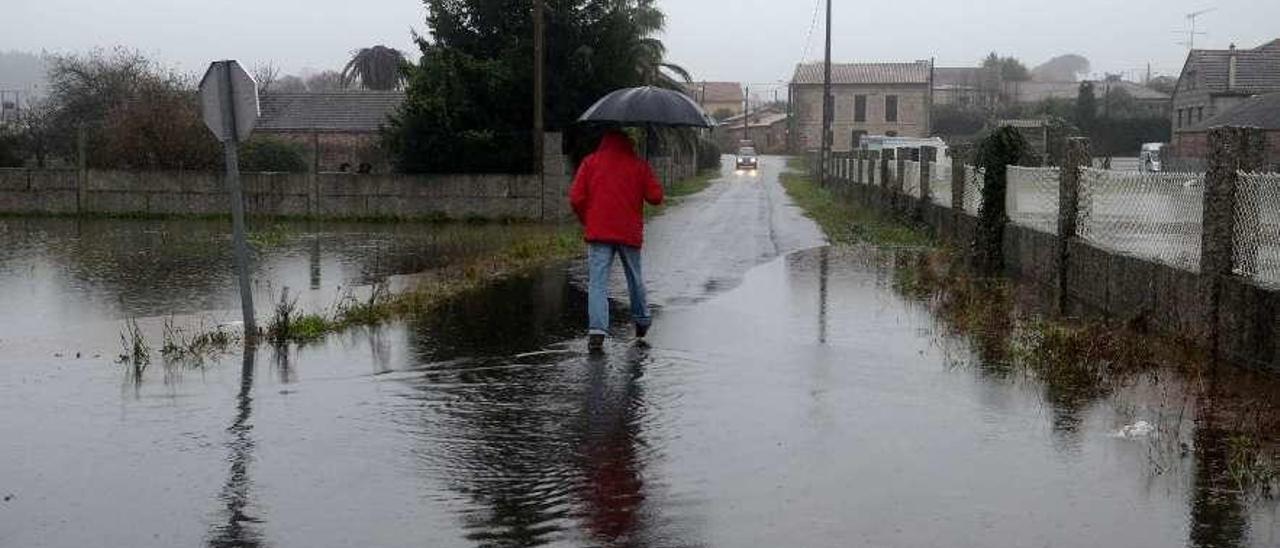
(890, 99)
(1262, 111)
(1214, 81)
(767, 128)
(339, 130)
(717, 97)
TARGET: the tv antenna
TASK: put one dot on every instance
(1192, 32)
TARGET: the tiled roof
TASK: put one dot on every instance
(864, 73)
(715, 92)
(361, 112)
(1262, 111)
(1257, 70)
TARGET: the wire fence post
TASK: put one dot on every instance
(1078, 156)
(1232, 150)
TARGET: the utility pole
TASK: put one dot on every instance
(539, 122)
(825, 150)
(746, 114)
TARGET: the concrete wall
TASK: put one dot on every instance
(1242, 317)
(325, 195)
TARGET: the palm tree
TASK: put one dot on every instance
(650, 53)
(378, 68)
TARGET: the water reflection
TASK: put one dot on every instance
(239, 527)
(613, 488)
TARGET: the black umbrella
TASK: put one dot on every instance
(648, 106)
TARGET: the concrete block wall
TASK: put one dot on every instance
(317, 195)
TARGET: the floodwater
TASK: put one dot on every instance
(788, 396)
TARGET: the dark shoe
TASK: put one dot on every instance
(595, 343)
(641, 331)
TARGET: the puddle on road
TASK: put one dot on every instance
(812, 405)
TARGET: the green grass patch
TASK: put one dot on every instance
(846, 222)
(290, 325)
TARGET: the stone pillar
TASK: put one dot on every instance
(554, 194)
(1077, 157)
(1231, 150)
(901, 154)
(927, 157)
(959, 177)
(886, 182)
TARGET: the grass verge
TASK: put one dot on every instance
(683, 189)
(845, 222)
(289, 325)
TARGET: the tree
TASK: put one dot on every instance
(325, 81)
(1086, 107)
(1163, 84)
(266, 75)
(290, 84)
(133, 112)
(1063, 68)
(468, 104)
(377, 68)
(1009, 68)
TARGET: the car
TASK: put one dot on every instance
(747, 158)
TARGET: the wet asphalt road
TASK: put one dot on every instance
(788, 397)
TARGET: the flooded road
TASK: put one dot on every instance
(789, 396)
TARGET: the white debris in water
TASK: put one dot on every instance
(1140, 429)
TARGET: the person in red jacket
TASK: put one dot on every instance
(608, 196)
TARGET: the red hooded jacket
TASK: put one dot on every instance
(610, 190)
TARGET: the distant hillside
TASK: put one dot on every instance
(22, 71)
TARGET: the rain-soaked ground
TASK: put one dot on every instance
(788, 396)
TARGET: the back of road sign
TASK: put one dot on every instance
(243, 98)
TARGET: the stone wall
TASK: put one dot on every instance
(315, 195)
(312, 195)
(1236, 317)
(325, 195)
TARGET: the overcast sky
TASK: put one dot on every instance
(741, 40)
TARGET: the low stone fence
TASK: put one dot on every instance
(1199, 261)
(310, 195)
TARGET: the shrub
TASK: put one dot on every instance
(270, 154)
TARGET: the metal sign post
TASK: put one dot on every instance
(229, 100)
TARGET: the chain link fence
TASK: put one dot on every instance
(1257, 228)
(1155, 216)
(1031, 199)
(940, 183)
(911, 179)
(974, 181)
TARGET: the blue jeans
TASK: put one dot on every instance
(599, 263)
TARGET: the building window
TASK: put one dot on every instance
(1179, 118)
(891, 108)
(859, 108)
(1199, 114)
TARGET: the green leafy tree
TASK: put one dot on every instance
(378, 68)
(271, 154)
(468, 104)
(1086, 106)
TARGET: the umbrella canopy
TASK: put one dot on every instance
(648, 106)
